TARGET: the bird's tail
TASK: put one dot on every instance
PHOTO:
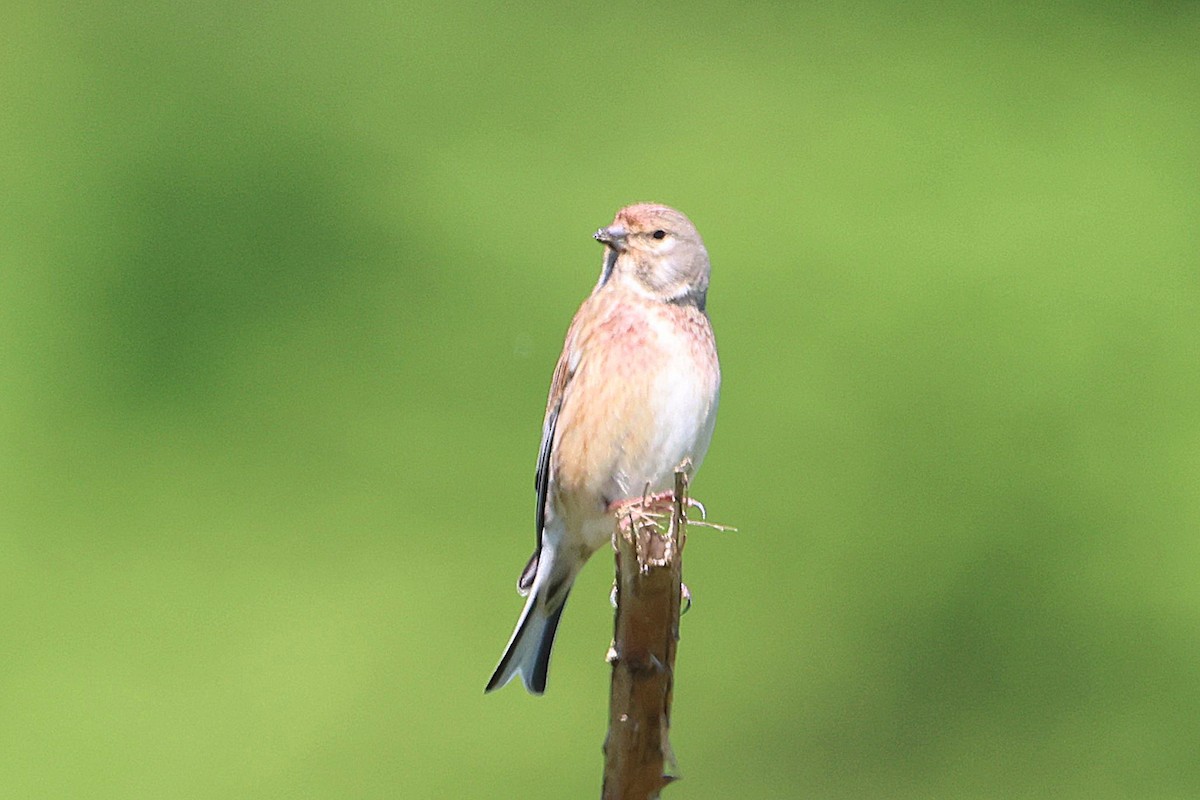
(528, 651)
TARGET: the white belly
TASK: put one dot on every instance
(684, 408)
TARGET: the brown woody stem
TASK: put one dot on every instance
(637, 750)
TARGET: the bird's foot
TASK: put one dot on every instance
(657, 504)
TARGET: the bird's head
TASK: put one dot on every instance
(657, 251)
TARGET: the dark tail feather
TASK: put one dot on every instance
(525, 582)
(528, 652)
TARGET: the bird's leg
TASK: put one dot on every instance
(658, 501)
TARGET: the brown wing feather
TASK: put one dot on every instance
(541, 478)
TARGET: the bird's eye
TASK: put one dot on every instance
(659, 234)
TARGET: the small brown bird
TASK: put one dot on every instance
(634, 395)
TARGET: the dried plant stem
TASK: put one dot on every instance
(638, 757)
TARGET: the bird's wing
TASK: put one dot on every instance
(563, 371)
(542, 478)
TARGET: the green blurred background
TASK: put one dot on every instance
(280, 294)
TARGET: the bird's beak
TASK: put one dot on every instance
(613, 236)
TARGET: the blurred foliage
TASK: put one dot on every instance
(280, 295)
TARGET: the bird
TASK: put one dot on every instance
(633, 397)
